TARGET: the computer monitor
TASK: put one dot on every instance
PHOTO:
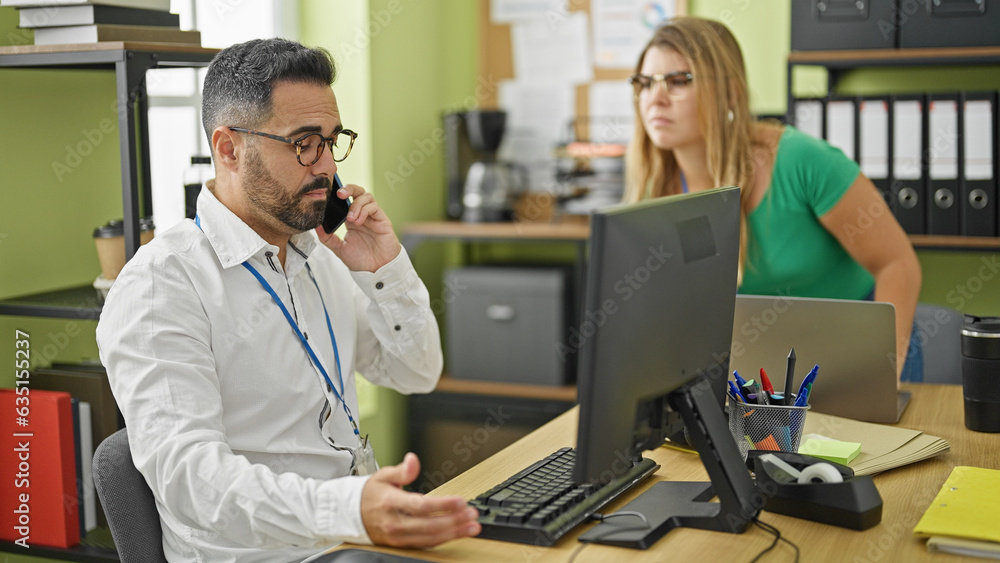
(657, 325)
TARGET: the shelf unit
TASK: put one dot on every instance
(129, 61)
(416, 233)
(838, 62)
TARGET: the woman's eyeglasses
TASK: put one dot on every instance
(677, 84)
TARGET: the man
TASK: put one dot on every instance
(231, 341)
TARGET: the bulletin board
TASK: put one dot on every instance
(496, 60)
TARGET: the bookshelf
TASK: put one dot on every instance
(838, 62)
(416, 233)
(129, 61)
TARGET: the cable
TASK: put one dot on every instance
(777, 537)
(602, 517)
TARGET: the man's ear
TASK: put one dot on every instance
(228, 148)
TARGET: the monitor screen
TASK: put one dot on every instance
(657, 314)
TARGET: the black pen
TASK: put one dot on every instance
(789, 371)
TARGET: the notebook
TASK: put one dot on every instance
(853, 342)
(963, 517)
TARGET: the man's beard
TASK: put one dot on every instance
(268, 195)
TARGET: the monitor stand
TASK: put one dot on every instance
(670, 504)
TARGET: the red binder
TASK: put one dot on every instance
(39, 504)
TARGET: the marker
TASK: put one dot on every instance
(765, 382)
(751, 387)
(789, 370)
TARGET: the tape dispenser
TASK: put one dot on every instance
(814, 489)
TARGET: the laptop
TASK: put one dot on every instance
(853, 342)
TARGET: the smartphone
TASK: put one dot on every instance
(336, 208)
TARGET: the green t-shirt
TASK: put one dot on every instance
(790, 252)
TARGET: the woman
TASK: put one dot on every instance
(813, 225)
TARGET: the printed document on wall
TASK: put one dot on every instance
(610, 109)
(510, 11)
(553, 50)
(538, 119)
(623, 27)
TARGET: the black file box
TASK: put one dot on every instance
(821, 25)
(907, 183)
(978, 153)
(512, 324)
(943, 165)
(948, 23)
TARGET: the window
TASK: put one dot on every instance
(175, 132)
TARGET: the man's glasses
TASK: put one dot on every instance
(309, 147)
(678, 84)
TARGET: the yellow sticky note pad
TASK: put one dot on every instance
(831, 450)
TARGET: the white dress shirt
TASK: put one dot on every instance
(221, 400)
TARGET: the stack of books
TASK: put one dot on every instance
(58, 22)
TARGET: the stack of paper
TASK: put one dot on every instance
(963, 517)
(882, 447)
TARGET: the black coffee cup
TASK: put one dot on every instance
(981, 373)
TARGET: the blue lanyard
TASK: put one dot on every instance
(302, 338)
(684, 184)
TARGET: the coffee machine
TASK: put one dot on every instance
(480, 188)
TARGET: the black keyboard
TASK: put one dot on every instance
(541, 503)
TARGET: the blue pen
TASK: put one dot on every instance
(808, 379)
(740, 382)
(802, 398)
(735, 392)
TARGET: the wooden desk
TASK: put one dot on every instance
(906, 493)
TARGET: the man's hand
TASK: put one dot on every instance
(370, 242)
(397, 518)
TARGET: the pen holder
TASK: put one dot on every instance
(766, 427)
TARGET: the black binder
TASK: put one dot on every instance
(943, 164)
(979, 132)
(908, 178)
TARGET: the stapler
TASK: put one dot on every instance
(814, 489)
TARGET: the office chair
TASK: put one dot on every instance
(128, 503)
(940, 333)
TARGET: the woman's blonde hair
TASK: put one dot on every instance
(723, 116)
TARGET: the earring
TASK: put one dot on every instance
(730, 116)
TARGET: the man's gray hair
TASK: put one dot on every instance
(240, 79)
